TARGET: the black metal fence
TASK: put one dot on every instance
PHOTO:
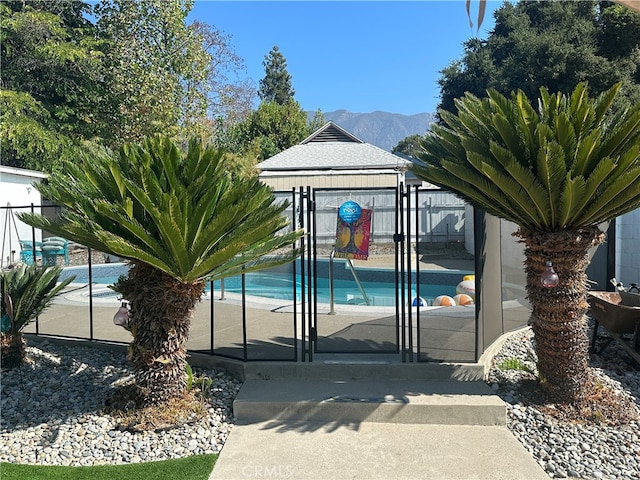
(421, 240)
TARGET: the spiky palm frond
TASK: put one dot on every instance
(180, 212)
(564, 165)
(27, 291)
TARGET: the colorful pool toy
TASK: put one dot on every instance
(419, 302)
(467, 286)
(444, 301)
(463, 299)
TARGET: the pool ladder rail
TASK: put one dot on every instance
(355, 277)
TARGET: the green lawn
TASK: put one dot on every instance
(197, 467)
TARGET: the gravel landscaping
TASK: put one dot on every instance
(570, 449)
(53, 413)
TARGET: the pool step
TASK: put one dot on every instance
(405, 401)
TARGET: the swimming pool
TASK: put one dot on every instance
(277, 283)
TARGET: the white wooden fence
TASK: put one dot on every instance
(441, 215)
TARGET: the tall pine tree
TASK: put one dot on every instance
(276, 84)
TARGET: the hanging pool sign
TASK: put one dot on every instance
(350, 212)
(353, 231)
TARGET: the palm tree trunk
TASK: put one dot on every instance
(13, 349)
(159, 320)
(558, 319)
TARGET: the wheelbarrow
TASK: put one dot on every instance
(619, 314)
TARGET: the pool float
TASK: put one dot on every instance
(467, 286)
(444, 301)
(419, 302)
(463, 299)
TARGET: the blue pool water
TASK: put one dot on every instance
(278, 284)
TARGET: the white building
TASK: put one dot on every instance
(17, 194)
(628, 248)
(332, 158)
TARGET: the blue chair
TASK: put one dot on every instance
(54, 247)
(26, 251)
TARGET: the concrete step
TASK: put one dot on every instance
(343, 369)
(405, 401)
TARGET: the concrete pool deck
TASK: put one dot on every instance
(273, 332)
(347, 326)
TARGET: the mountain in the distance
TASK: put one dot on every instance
(381, 129)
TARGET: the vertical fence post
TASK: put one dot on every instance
(244, 319)
(396, 252)
(211, 318)
(33, 241)
(409, 269)
(403, 303)
(294, 226)
(310, 283)
(418, 299)
(89, 253)
(302, 279)
(35, 260)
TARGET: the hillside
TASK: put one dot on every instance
(381, 129)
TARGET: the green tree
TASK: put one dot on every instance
(55, 92)
(28, 138)
(555, 44)
(170, 76)
(317, 121)
(482, 6)
(180, 218)
(156, 59)
(276, 87)
(26, 292)
(620, 31)
(557, 172)
(269, 130)
(409, 146)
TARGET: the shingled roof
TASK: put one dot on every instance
(332, 148)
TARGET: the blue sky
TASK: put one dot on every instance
(360, 56)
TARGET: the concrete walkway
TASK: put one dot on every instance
(368, 451)
(298, 427)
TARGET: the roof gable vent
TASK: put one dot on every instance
(331, 132)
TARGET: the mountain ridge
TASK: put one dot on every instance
(382, 129)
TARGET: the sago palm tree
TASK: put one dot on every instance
(558, 172)
(180, 218)
(26, 292)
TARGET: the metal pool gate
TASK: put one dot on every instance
(410, 223)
